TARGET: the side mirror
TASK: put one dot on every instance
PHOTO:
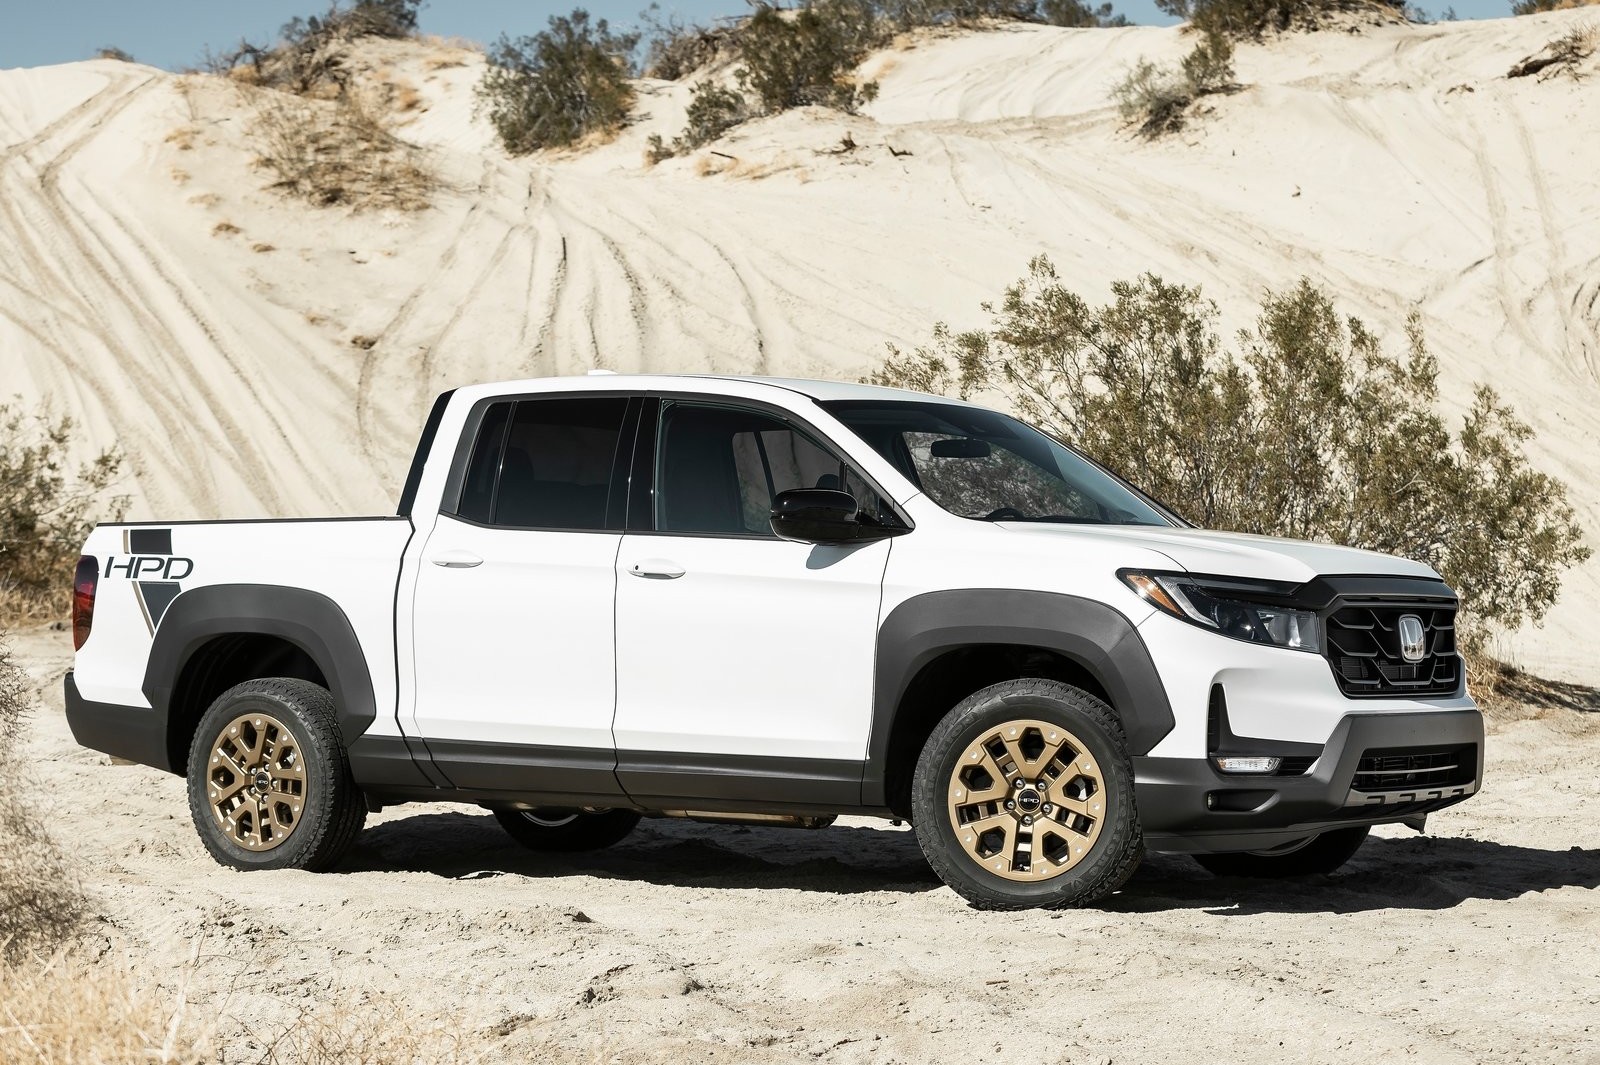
(819, 516)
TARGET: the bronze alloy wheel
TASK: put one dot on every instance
(256, 783)
(1026, 800)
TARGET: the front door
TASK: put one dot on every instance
(514, 607)
(744, 661)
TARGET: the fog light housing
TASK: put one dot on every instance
(1253, 763)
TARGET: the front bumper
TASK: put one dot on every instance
(1184, 803)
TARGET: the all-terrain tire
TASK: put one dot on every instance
(567, 830)
(309, 812)
(1112, 844)
(1323, 854)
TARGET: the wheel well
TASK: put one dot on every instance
(950, 678)
(218, 665)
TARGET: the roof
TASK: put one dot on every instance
(826, 391)
(821, 391)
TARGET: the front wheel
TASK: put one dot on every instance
(561, 829)
(1319, 854)
(1023, 798)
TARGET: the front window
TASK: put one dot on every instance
(983, 464)
(721, 467)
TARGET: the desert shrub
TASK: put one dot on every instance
(1534, 7)
(1158, 97)
(1311, 429)
(675, 49)
(309, 57)
(1241, 19)
(1075, 14)
(394, 19)
(40, 904)
(111, 51)
(47, 507)
(1564, 55)
(805, 56)
(713, 110)
(340, 152)
(558, 86)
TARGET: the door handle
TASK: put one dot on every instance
(656, 569)
(456, 559)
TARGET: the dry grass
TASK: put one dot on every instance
(67, 1009)
(1507, 693)
(340, 153)
(41, 905)
(1564, 55)
(183, 138)
(378, 1031)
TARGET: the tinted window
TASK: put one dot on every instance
(553, 468)
(719, 469)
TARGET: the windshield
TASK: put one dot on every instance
(983, 464)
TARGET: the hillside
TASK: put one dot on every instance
(255, 355)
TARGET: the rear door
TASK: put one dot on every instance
(744, 661)
(515, 601)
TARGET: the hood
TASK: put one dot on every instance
(1233, 554)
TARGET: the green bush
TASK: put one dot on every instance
(795, 58)
(1241, 19)
(675, 49)
(1158, 97)
(806, 55)
(1076, 14)
(554, 88)
(1310, 429)
(309, 56)
(713, 110)
(1534, 7)
(46, 507)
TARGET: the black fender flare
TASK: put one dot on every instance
(1091, 634)
(308, 620)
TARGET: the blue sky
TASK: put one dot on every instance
(176, 33)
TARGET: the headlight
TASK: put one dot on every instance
(1256, 622)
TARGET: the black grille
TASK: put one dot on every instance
(1420, 768)
(1295, 765)
(1363, 646)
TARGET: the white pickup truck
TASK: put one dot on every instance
(774, 601)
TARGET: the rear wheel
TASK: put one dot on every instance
(564, 829)
(269, 783)
(1023, 798)
(1318, 854)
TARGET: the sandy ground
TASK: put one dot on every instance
(256, 356)
(1474, 943)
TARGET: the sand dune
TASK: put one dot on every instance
(1399, 166)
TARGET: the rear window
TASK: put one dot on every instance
(545, 464)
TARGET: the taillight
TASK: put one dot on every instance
(84, 582)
